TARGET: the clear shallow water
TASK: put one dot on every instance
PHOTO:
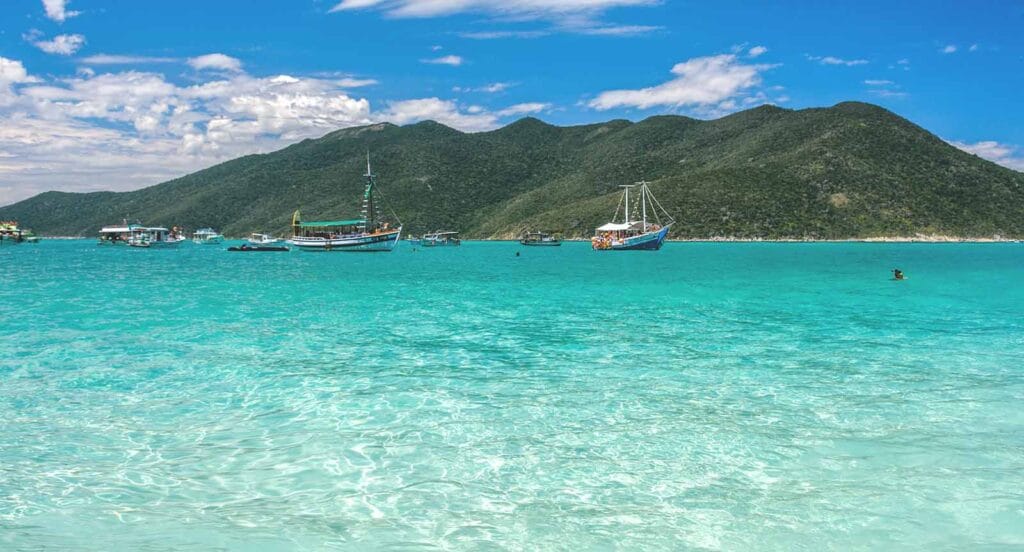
(708, 396)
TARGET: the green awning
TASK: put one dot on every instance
(326, 223)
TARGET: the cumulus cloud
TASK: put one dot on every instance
(701, 81)
(948, 49)
(452, 60)
(756, 51)
(124, 130)
(443, 111)
(219, 62)
(57, 10)
(13, 72)
(64, 45)
(1004, 154)
(832, 60)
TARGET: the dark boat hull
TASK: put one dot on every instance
(540, 244)
(258, 248)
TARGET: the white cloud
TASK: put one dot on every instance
(64, 45)
(443, 111)
(491, 88)
(113, 59)
(756, 51)
(351, 82)
(948, 49)
(1003, 154)
(973, 48)
(13, 72)
(573, 16)
(702, 81)
(612, 30)
(523, 109)
(124, 130)
(490, 35)
(521, 8)
(57, 10)
(832, 60)
(218, 62)
(878, 82)
(888, 93)
(452, 60)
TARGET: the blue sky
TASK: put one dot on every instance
(121, 94)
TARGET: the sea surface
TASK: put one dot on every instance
(710, 396)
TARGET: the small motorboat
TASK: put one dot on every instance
(264, 239)
(207, 236)
(540, 239)
(247, 247)
(441, 239)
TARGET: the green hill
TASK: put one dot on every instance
(852, 170)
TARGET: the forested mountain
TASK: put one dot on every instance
(852, 170)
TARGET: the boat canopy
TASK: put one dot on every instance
(328, 223)
(616, 226)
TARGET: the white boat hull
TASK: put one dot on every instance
(384, 241)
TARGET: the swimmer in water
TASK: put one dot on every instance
(897, 274)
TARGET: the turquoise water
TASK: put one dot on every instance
(708, 396)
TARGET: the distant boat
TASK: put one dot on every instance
(258, 248)
(154, 237)
(369, 233)
(540, 239)
(136, 235)
(10, 233)
(441, 239)
(119, 234)
(633, 234)
(207, 236)
(263, 239)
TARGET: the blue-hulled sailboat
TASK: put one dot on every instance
(630, 234)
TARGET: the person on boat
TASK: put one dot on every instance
(897, 274)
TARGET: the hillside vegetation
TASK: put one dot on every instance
(850, 171)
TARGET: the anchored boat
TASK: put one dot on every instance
(10, 233)
(137, 235)
(630, 234)
(118, 235)
(264, 240)
(258, 248)
(441, 239)
(207, 236)
(540, 239)
(155, 237)
(369, 233)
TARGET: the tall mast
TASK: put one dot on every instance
(368, 222)
(627, 187)
(643, 201)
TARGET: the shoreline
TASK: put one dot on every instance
(724, 239)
